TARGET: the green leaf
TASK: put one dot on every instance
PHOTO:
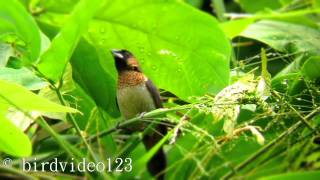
(316, 3)
(282, 82)
(251, 6)
(195, 3)
(12, 140)
(172, 41)
(97, 82)
(311, 67)
(234, 27)
(18, 96)
(23, 77)
(285, 2)
(50, 94)
(54, 60)
(294, 176)
(15, 20)
(285, 37)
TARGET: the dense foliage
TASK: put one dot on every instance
(239, 81)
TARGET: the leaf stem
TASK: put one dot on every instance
(74, 123)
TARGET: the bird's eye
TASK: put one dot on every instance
(135, 68)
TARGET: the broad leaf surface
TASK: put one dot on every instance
(54, 60)
(172, 40)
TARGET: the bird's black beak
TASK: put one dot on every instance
(117, 54)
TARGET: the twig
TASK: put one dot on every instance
(125, 123)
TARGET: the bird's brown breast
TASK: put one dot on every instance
(130, 78)
(133, 96)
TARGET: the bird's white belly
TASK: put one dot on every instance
(134, 100)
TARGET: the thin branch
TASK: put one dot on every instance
(125, 123)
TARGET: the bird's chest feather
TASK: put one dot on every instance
(134, 100)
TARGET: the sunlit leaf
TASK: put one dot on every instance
(54, 60)
(19, 97)
(172, 41)
(234, 28)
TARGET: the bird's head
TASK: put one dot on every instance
(125, 61)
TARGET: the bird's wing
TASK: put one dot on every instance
(154, 93)
(158, 162)
(157, 101)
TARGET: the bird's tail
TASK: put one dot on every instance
(157, 164)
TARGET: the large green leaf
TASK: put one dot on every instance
(54, 60)
(15, 20)
(18, 96)
(12, 140)
(180, 48)
(86, 67)
(89, 74)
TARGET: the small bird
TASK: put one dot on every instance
(136, 94)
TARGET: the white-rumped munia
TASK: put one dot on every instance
(136, 94)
